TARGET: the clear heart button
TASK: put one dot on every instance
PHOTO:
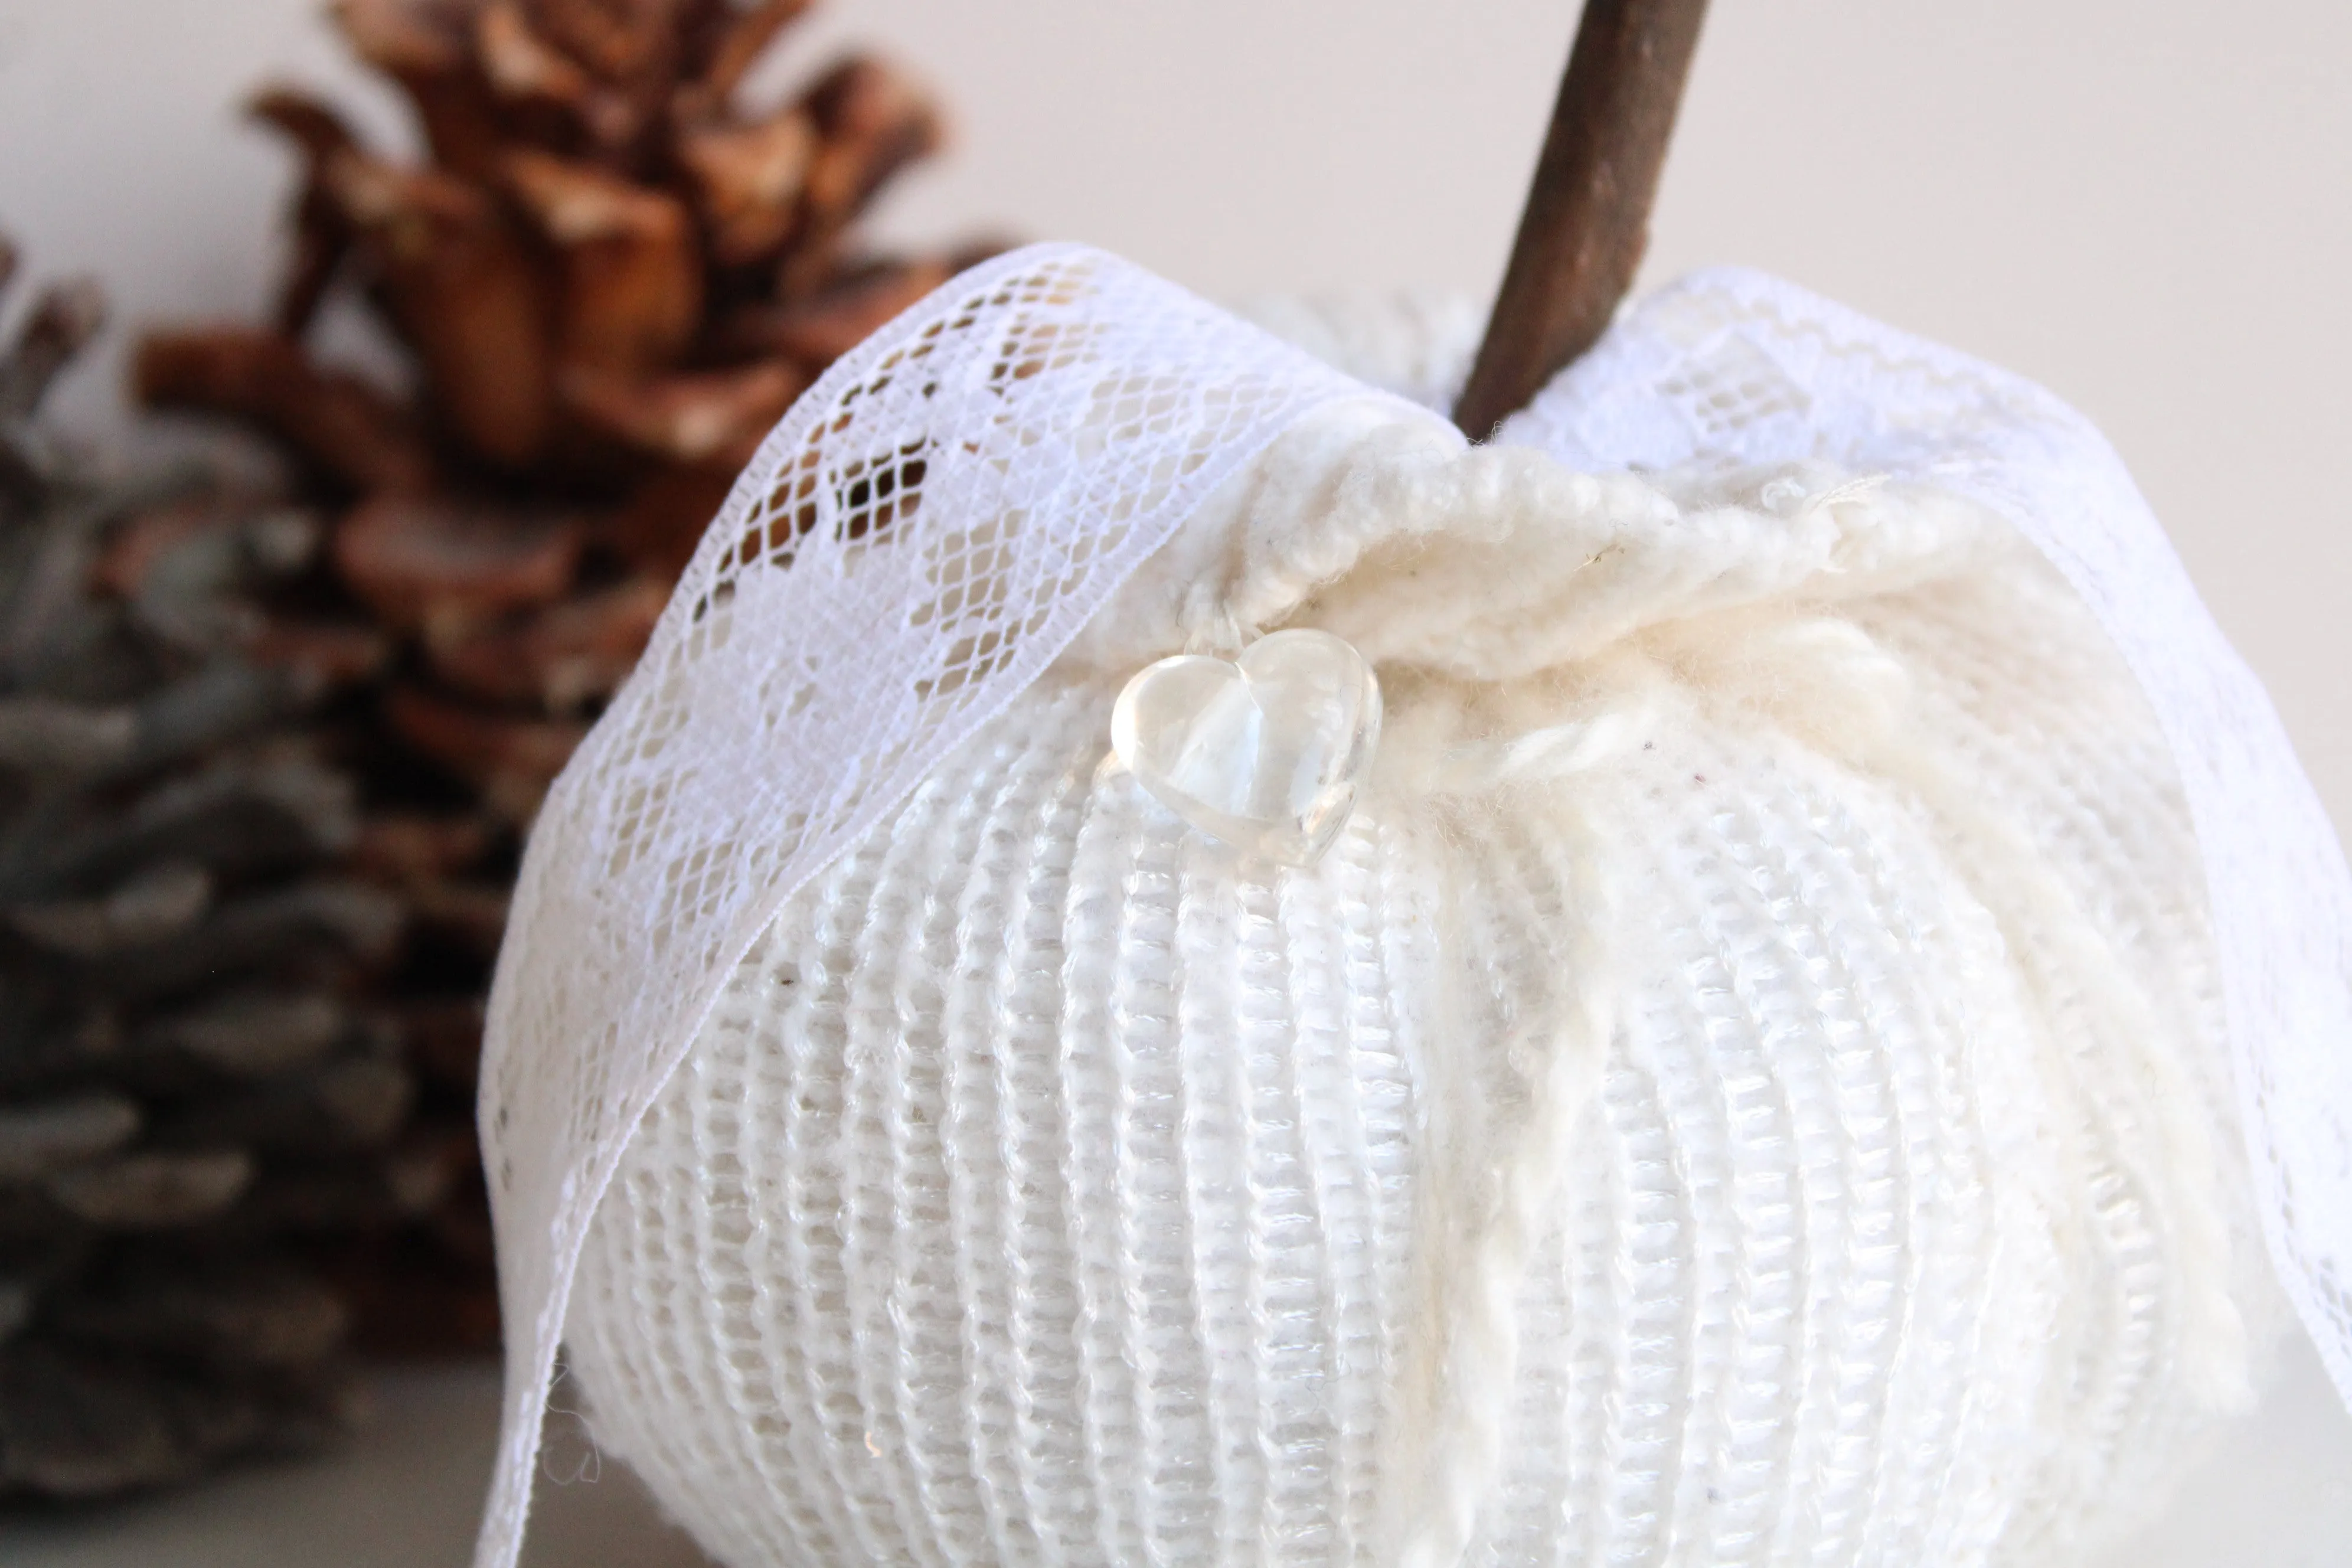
(1265, 753)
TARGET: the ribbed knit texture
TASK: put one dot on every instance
(1053, 1187)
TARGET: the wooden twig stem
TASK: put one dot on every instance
(1588, 215)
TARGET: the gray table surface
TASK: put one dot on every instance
(2277, 1493)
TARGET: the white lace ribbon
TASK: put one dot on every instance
(910, 547)
(936, 518)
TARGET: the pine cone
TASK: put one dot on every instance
(612, 280)
(194, 1083)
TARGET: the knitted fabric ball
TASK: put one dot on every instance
(1749, 1084)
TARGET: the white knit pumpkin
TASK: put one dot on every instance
(1751, 1083)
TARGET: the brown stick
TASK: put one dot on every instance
(1588, 215)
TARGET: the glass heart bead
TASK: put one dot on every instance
(1266, 751)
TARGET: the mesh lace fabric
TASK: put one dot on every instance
(1176, 1269)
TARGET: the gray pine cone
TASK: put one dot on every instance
(197, 1106)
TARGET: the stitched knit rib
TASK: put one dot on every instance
(1787, 1312)
(1055, 1186)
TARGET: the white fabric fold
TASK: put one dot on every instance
(1737, 368)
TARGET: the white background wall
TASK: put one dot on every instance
(2143, 203)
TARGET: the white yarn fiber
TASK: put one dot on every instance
(1757, 1081)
